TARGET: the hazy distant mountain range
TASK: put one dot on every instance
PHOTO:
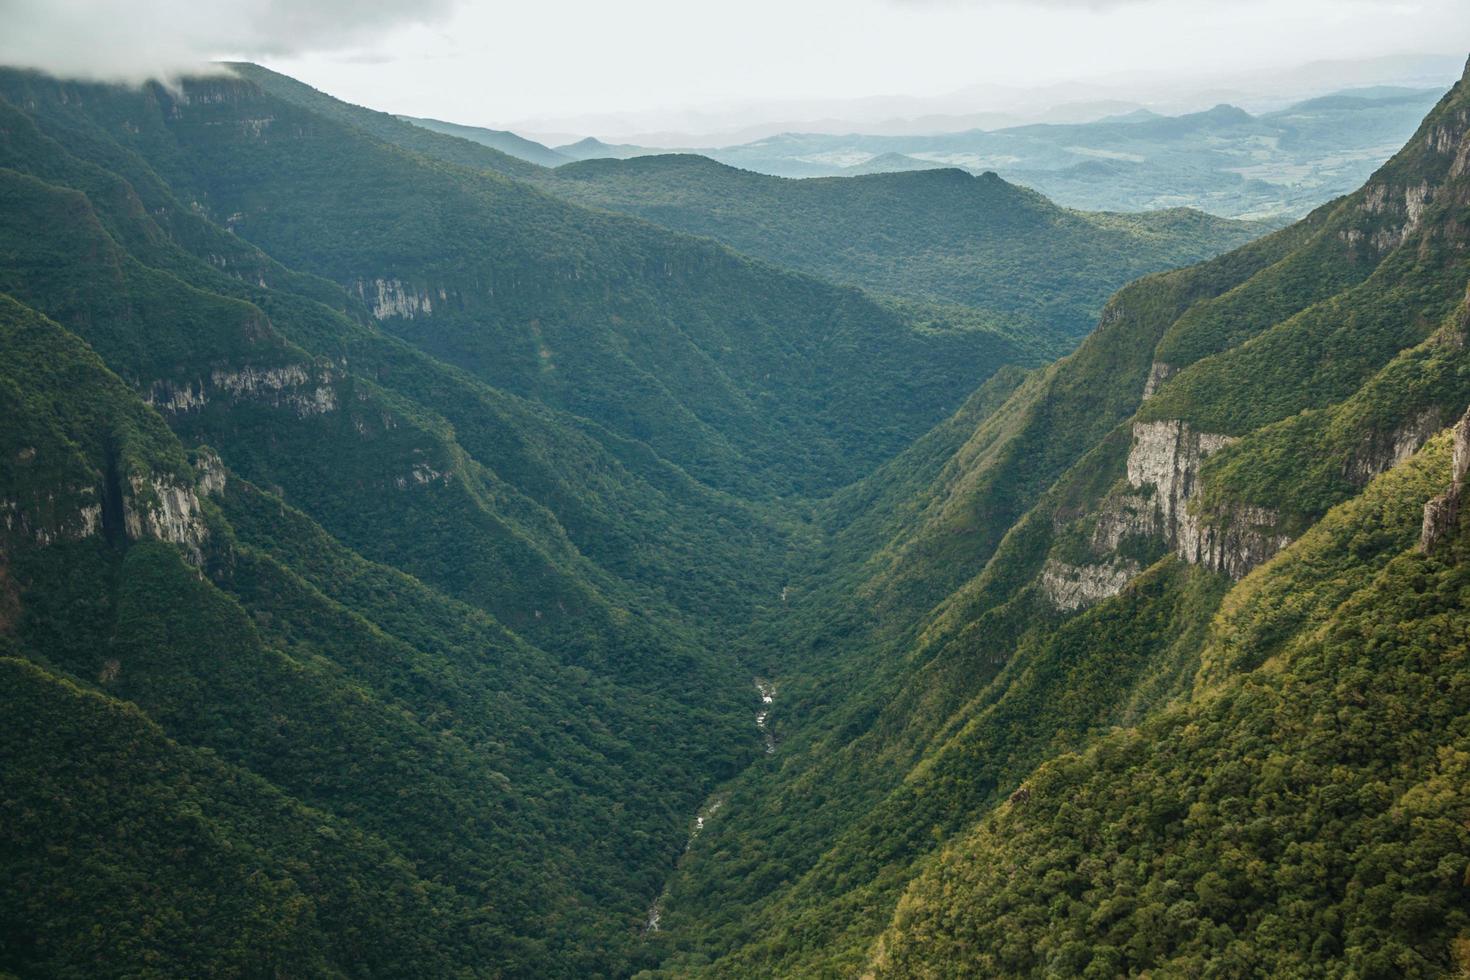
(497, 139)
(1224, 160)
(995, 105)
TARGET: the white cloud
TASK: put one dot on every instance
(122, 40)
(647, 65)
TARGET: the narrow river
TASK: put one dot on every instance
(712, 805)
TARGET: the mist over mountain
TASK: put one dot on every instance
(991, 106)
(1222, 160)
(429, 552)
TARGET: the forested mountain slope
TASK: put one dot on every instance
(331, 702)
(932, 235)
(748, 377)
(1203, 528)
(391, 531)
(943, 237)
(391, 550)
(497, 139)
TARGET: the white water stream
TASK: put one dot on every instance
(712, 805)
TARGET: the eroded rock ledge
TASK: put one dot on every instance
(160, 506)
(1166, 456)
(1442, 513)
(1073, 587)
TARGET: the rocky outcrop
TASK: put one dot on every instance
(1380, 453)
(1120, 516)
(1442, 513)
(209, 473)
(45, 522)
(1158, 373)
(166, 509)
(1073, 587)
(160, 507)
(305, 389)
(292, 386)
(422, 474)
(1166, 458)
(174, 398)
(1403, 206)
(1233, 542)
(390, 298)
(1123, 515)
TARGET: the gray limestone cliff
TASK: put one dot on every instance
(1442, 513)
(1073, 587)
(304, 389)
(1166, 458)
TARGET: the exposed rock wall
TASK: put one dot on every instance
(176, 398)
(1442, 513)
(291, 386)
(1166, 458)
(1158, 373)
(1072, 587)
(1123, 515)
(1380, 453)
(1404, 208)
(165, 509)
(305, 389)
(209, 473)
(1233, 542)
(44, 524)
(391, 298)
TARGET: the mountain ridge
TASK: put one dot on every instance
(396, 556)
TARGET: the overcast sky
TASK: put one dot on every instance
(496, 63)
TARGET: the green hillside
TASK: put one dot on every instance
(932, 235)
(498, 139)
(749, 378)
(406, 571)
(1220, 476)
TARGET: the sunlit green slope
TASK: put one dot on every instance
(1049, 566)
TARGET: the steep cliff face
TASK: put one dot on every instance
(304, 389)
(1166, 457)
(43, 522)
(391, 298)
(1442, 513)
(159, 505)
(165, 509)
(1158, 373)
(1383, 452)
(1073, 587)
(1165, 460)
(1159, 502)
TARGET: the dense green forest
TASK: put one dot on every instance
(1187, 541)
(934, 235)
(397, 555)
(1005, 255)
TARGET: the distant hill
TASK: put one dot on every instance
(1224, 160)
(594, 149)
(891, 163)
(936, 234)
(499, 139)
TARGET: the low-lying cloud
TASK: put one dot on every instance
(118, 40)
